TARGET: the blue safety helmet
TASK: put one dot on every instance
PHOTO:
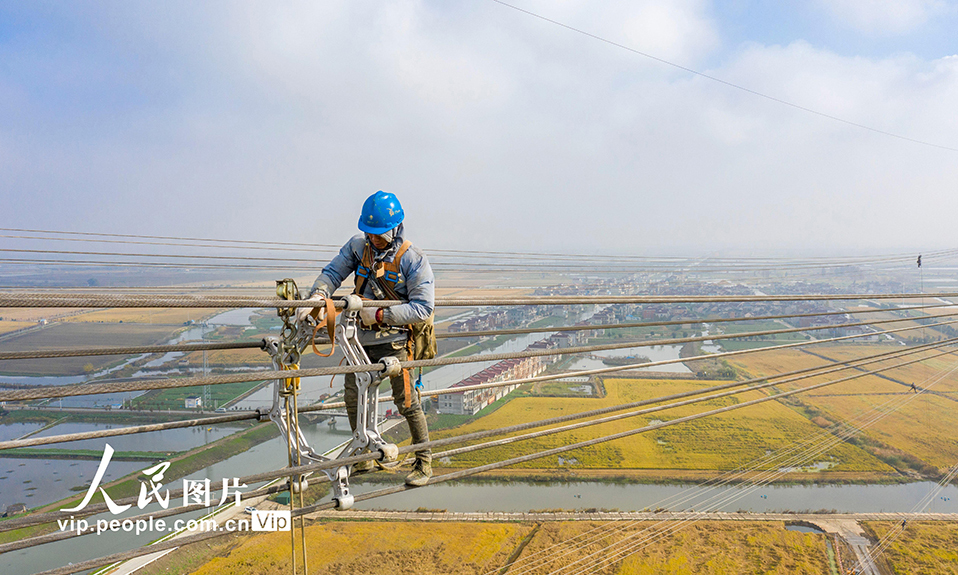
(381, 213)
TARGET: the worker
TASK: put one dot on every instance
(387, 266)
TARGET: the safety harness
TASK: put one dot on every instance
(420, 339)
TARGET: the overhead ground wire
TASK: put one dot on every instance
(726, 82)
(144, 384)
(457, 475)
(95, 508)
(814, 448)
(188, 347)
(103, 433)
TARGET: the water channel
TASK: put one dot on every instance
(491, 496)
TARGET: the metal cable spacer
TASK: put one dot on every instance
(352, 303)
(393, 368)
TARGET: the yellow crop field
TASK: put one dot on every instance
(8, 326)
(386, 548)
(175, 316)
(715, 547)
(930, 547)
(447, 548)
(229, 357)
(35, 314)
(918, 425)
(718, 442)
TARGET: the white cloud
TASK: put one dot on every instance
(499, 131)
(883, 17)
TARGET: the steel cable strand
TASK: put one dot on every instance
(895, 532)
(722, 500)
(677, 499)
(588, 443)
(193, 241)
(34, 441)
(144, 384)
(671, 526)
(592, 327)
(129, 430)
(684, 522)
(471, 268)
(743, 471)
(23, 300)
(850, 431)
(446, 477)
(42, 518)
(603, 370)
(708, 265)
(69, 534)
(285, 263)
(663, 264)
(119, 350)
(781, 263)
(129, 350)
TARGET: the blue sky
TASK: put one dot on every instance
(496, 130)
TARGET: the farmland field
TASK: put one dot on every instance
(920, 548)
(719, 442)
(76, 335)
(477, 548)
(920, 424)
(8, 326)
(174, 316)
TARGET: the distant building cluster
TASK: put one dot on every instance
(497, 319)
(471, 401)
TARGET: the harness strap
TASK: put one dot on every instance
(330, 327)
(390, 271)
(365, 266)
(407, 401)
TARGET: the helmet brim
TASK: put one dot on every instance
(372, 230)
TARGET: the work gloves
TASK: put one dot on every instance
(319, 297)
(368, 315)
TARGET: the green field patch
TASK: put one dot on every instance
(175, 398)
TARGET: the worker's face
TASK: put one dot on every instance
(379, 242)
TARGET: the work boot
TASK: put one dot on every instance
(421, 472)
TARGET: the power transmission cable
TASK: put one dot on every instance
(20, 299)
(96, 508)
(81, 566)
(55, 537)
(851, 430)
(628, 325)
(189, 347)
(726, 82)
(460, 266)
(34, 441)
(816, 448)
(897, 530)
(325, 248)
(71, 390)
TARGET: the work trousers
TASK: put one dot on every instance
(413, 414)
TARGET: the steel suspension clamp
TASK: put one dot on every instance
(393, 368)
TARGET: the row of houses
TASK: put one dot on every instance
(471, 401)
(500, 318)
